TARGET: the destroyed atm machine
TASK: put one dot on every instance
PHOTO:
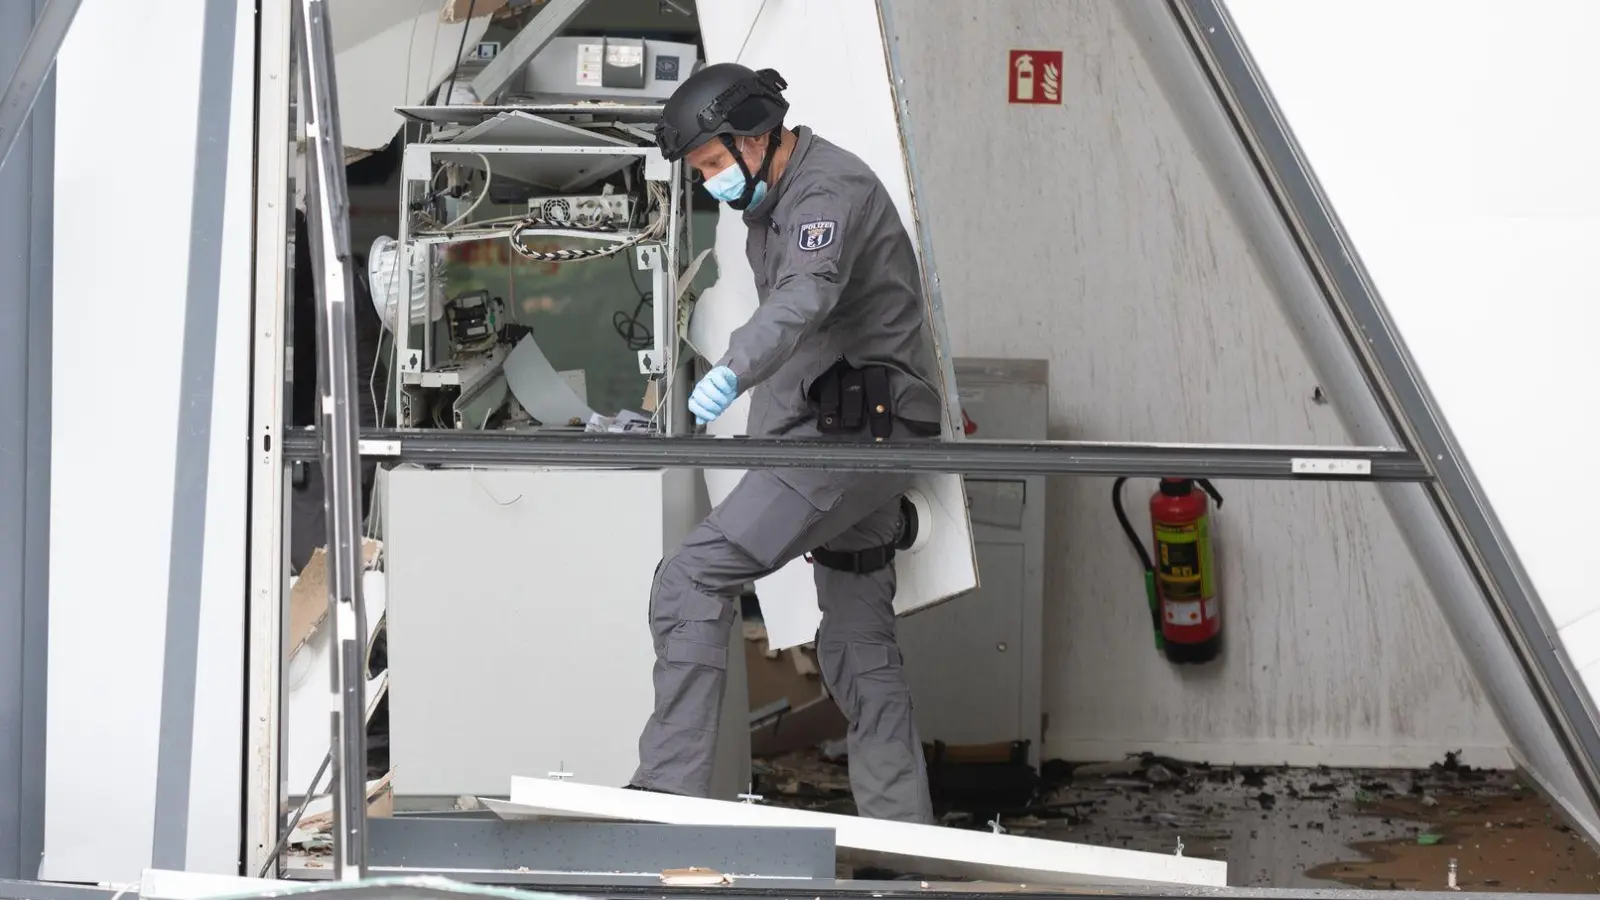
(516, 596)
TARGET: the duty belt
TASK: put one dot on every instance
(858, 562)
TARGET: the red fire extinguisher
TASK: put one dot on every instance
(1180, 583)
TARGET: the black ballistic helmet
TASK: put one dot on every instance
(723, 101)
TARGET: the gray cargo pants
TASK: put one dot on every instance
(763, 524)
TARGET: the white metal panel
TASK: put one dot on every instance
(524, 129)
(1093, 236)
(930, 850)
(119, 324)
(390, 53)
(168, 884)
(850, 102)
(1470, 196)
(518, 625)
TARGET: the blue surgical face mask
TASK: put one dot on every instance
(728, 186)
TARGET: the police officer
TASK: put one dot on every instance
(837, 349)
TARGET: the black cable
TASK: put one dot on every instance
(294, 820)
(1144, 557)
(634, 329)
(1127, 527)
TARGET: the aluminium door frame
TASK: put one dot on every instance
(1386, 364)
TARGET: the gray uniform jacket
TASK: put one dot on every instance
(837, 279)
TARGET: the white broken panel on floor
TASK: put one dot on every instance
(171, 884)
(930, 851)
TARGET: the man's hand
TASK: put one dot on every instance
(714, 394)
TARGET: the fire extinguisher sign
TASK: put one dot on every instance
(1035, 76)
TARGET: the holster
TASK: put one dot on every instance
(849, 399)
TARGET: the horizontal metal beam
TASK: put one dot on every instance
(968, 457)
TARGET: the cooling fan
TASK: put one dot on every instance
(589, 211)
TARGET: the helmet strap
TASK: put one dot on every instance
(774, 138)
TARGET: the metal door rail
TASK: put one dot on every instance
(328, 224)
(413, 887)
(967, 457)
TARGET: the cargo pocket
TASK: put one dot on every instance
(678, 606)
(866, 659)
(689, 689)
(684, 646)
(766, 518)
(700, 634)
(880, 687)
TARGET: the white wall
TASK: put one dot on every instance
(1466, 189)
(1091, 235)
(126, 170)
(1472, 193)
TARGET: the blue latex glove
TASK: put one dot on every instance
(714, 394)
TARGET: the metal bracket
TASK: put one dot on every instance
(379, 448)
(1352, 467)
(656, 167)
(652, 362)
(547, 23)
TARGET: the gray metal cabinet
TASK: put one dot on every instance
(974, 662)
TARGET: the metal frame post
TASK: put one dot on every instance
(264, 792)
(327, 215)
(174, 763)
(26, 298)
(33, 68)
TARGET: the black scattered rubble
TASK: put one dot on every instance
(1277, 826)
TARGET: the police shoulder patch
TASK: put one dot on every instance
(816, 235)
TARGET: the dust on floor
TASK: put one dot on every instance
(1276, 827)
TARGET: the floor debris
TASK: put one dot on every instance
(1277, 827)
(694, 876)
(314, 833)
